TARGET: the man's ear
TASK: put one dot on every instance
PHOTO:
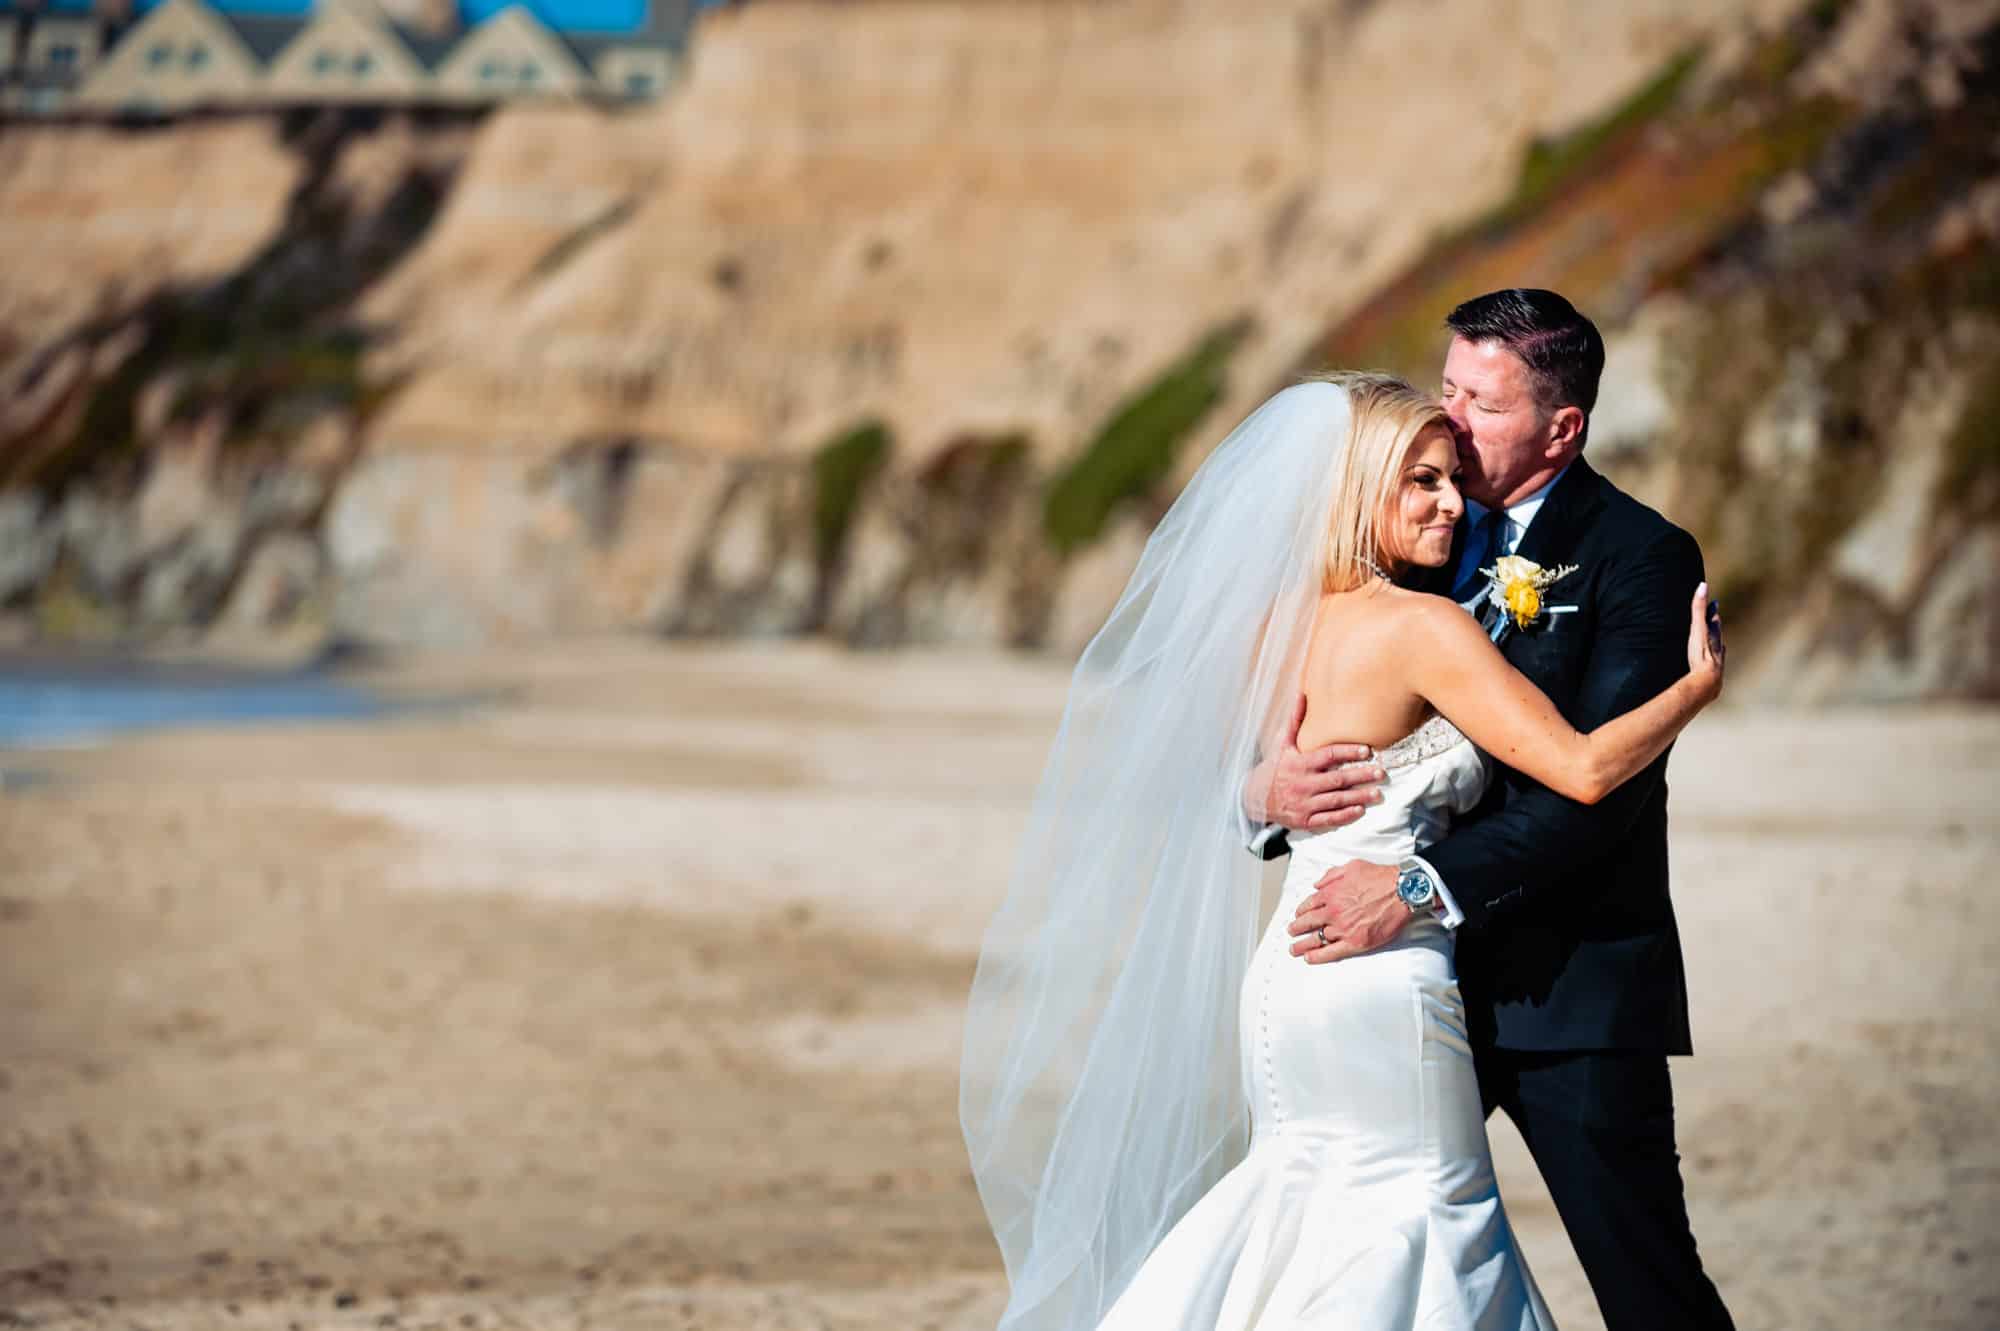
(1566, 430)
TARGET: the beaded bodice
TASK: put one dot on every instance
(1434, 773)
(1428, 740)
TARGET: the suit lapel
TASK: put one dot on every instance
(1562, 516)
(1551, 538)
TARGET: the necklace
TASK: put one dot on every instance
(1375, 568)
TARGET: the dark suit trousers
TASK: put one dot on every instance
(1601, 1128)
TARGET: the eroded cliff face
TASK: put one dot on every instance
(971, 216)
(568, 371)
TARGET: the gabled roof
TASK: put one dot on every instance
(119, 75)
(518, 22)
(264, 35)
(428, 48)
(200, 12)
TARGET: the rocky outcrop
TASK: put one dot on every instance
(26, 546)
(187, 419)
(953, 551)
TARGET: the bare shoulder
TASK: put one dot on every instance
(1400, 632)
(1434, 621)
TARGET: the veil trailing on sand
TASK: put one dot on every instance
(1101, 1092)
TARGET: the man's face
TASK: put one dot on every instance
(1503, 433)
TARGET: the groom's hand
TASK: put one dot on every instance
(1330, 786)
(1356, 904)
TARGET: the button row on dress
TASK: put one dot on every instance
(1264, 1024)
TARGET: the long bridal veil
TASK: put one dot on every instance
(1101, 1090)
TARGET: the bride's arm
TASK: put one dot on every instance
(1458, 670)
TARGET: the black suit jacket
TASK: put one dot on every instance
(1569, 941)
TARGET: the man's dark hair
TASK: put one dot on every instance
(1563, 350)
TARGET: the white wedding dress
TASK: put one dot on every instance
(1366, 1201)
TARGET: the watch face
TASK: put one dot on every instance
(1414, 888)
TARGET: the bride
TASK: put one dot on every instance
(1173, 1126)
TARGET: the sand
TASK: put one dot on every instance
(628, 997)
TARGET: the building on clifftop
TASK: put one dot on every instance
(104, 58)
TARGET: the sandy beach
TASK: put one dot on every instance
(629, 997)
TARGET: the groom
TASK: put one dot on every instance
(1568, 956)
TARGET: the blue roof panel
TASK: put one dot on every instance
(575, 16)
(568, 15)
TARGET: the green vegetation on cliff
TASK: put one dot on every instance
(841, 471)
(1551, 163)
(1134, 450)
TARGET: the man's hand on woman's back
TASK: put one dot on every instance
(1330, 786)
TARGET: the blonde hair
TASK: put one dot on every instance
(1385, 416)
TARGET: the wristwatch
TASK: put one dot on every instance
(1416, 888)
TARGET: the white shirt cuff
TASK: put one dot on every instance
(1448, 913)
(1260, 842)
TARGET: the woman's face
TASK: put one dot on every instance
(1424, 504)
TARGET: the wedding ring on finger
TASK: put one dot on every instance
(1323, 941)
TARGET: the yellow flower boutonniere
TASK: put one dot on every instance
(1517, 584)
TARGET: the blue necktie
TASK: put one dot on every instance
(1483, 545)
